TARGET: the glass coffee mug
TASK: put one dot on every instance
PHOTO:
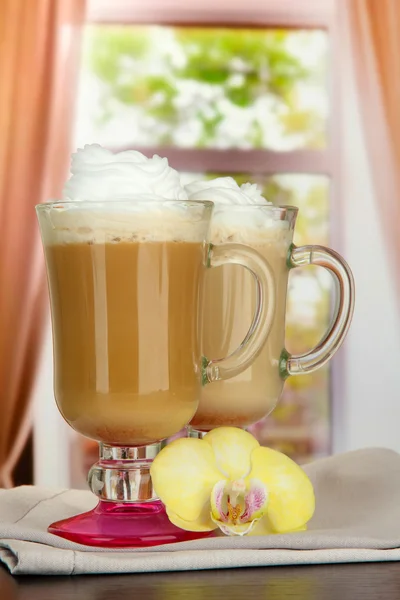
(229, 306)
(125, 281)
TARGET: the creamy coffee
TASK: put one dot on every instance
(126, 349)
(125, 261)
(229, 306)
(242, 216)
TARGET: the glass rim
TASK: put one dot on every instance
(77, 203)
(282, 209)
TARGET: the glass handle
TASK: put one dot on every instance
(241, 358)
(333, 339)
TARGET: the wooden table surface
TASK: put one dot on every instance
(378, 581)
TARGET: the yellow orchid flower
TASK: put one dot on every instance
(228, 480)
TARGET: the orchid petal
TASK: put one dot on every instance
(291, 495)
(218, 511)
(238, 529)
(184, 474)
(232, 448)
(256, 501)
(262, 527)
(203, 523)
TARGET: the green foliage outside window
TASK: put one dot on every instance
(211, 78)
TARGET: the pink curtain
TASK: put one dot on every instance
(373, 30)
(38, 60)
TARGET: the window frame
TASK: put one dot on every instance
(261, 13)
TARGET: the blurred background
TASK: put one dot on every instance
(296, 95)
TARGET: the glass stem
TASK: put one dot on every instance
(195, 433)
(122, 473)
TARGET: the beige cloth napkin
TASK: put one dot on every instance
(357, 519)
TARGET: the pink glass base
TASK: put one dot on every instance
(117, 525)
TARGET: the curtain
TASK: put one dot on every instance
(370, 30)
(39, 42)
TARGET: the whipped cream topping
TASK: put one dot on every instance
(99, 174)
(225, 191)
(241, 213)
(140, 199)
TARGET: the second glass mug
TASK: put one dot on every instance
(230, 301)
(125, 281)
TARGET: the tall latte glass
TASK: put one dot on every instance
(230, 302)
(125, 281)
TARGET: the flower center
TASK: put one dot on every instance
(235, 491)
(237, 505)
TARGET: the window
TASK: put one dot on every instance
(214, 88)
(241, 92)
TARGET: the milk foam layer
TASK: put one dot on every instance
(93, 224)
(241, 213)
(99, 174)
